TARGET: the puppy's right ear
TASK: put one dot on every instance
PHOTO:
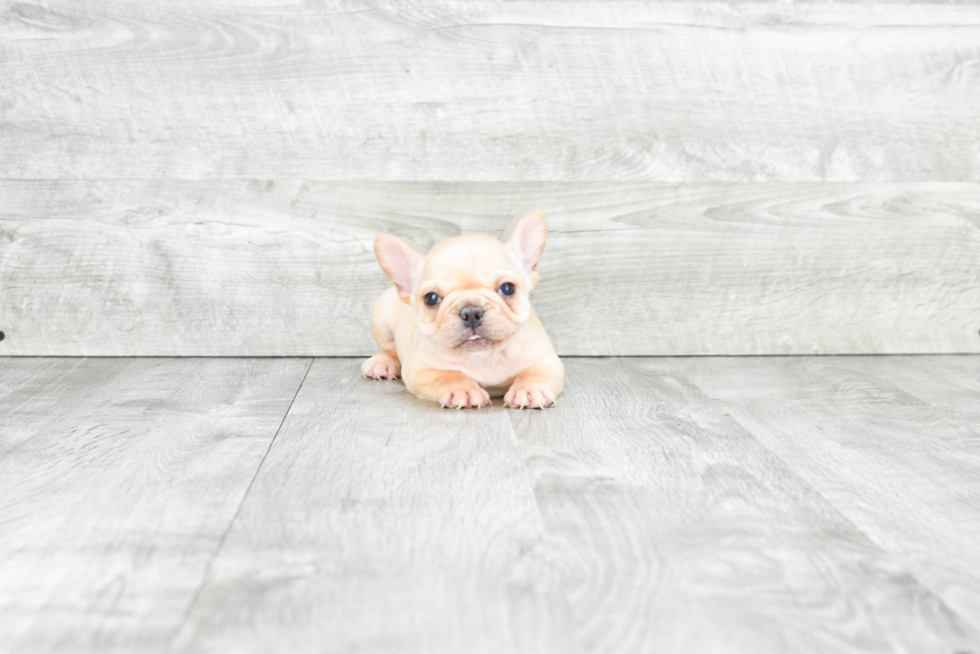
(401, 261)
(526, 238)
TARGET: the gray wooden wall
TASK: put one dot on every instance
(206, 178)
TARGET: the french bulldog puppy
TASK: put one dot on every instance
(458, 325)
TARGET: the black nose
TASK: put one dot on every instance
(471, 316)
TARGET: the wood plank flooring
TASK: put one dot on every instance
(118, 479)
(901, 450)
(770, 504)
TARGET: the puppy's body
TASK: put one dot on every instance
(495, 369)
(458, 326)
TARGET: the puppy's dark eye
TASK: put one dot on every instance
(431, 299)
(507, 289)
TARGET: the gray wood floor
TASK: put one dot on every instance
(754, 505)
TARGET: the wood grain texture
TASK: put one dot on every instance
(892, 443)
(677, 531)
(118, 478)
(482, 90)
(286, 268)
(741, 505)
(383, 523)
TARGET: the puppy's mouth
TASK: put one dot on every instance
(474, 340)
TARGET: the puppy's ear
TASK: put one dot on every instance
(525, 239)
(402, 261)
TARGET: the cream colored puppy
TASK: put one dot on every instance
(458, 325)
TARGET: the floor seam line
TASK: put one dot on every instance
(234, 518)
(893, 555)
(547, 533)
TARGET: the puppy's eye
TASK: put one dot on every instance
(507, 289)
(431, 299)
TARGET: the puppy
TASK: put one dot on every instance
(458, 325)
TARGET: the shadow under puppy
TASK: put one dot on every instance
(458, 324)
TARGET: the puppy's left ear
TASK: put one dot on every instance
(525, 239)
(402, 261)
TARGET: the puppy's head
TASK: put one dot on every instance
(470, 293)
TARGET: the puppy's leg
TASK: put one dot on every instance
(450, 388)
(382, 366)
(537, 387)
(384, 316)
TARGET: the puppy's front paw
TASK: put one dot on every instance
(381, 366)
(464, 395)
(529, 395)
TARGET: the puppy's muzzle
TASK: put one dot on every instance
(471, 316)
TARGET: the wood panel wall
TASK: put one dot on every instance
(206, 178)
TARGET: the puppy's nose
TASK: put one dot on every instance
(471, 316)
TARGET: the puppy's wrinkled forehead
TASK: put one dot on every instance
(468, 261)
